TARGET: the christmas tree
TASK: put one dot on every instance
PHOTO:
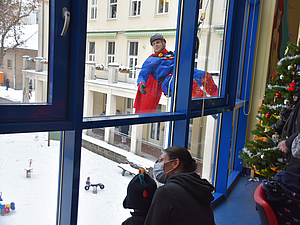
(262, 154)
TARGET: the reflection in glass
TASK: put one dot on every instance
(29, 171)
(202, 139)
(145, 140)
(24, 55)
(112, 156)
(117, 48)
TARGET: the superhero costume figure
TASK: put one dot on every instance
(156, 76)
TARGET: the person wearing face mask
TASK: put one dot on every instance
(185, 198)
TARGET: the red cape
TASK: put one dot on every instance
(148, 103)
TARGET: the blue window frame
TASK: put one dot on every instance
(39, 115)
(64, 110)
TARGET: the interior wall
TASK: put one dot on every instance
(261, 63)
(279, 24)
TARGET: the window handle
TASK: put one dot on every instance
(66, 17)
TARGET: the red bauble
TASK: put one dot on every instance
(292, 86)
(278, 95)
(268, 115)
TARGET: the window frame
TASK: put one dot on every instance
(138, 4)
(110, 56)
(93, 10)
(164, 7)
(92, 52)
(54, 111)
(132, 72)
(112, 4)
(66, 114)
(9, 64)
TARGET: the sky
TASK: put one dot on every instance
(35, 198)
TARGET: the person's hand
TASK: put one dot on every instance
(142, 89)
(283, 147)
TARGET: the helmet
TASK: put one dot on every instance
(157, 36)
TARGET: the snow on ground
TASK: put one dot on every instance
(11, 94)
(35, 198)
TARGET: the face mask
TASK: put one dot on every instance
(159, 173)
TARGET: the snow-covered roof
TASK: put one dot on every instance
(29, 35)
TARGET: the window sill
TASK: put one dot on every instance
(162, 14)
(137, 16)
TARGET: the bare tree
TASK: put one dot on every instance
(11, 14)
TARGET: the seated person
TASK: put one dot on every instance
(283, 191)
(140, 192)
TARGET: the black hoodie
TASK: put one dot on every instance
(184, 200)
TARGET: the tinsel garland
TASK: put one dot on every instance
(275, 106)
(287, 58)
(269, 86)
(246, 151)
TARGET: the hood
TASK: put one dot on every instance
(199, 188)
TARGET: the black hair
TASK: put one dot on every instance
(177, 152)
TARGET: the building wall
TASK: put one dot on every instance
(16, 57)
(148, 19)
(126, 28)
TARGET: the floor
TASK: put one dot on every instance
(239, 207)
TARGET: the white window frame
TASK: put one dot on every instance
(91, 55)
(164, 8)
(133, 57)
(111, 52)
(201, 5)
(93, 10)
(113, 5)
(135, 4)
(129, 105)
(224, 4)
(155, 129)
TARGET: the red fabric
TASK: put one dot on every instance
(147, 103)
(165, 51)
(209, 85)
(197, 91)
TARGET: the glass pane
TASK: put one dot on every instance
(105, 152)
(26, 62)
(232, 151)
(101, 164)
(29, 178)
(131, 37)
(202, 139)
(122, 79)
(208, 58)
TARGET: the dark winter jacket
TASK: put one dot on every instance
(184, 200)
(292, 131)
(283, 194)
(137, 218)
